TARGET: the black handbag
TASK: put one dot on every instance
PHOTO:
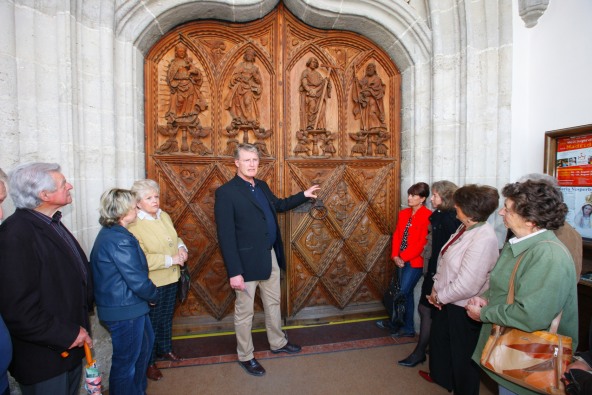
(578, 382)
(394, 301)
(184, 284)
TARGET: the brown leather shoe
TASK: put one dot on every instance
(153, 373)
(171, 356)
(252, 367)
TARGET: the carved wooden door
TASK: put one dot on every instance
(323, 107)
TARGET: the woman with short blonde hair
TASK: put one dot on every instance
(123, 292)
(115, 203)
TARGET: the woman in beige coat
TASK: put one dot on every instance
(165, 253)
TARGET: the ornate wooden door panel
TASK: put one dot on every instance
(323, 107)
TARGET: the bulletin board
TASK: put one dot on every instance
(568, 157)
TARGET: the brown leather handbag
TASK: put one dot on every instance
(534, 360)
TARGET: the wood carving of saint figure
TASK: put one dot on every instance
(317, 239)
(260, 136)
(341, 204)
(360, 145)
(381, 147)
(302, 145)
(314, 91)
(368, 97)
(341, 273)
(328, 147)
(245, 91)
(184, 80)
(363, 237)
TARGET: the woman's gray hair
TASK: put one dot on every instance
(446, 191)
(142, 187)
(115, 204)
(539, 177)
(28, 180)
(538, 202)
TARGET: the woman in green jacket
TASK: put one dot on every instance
(544, 283)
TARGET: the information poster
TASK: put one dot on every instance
(574, 174)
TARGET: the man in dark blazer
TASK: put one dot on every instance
(252, 249)
(45, 284)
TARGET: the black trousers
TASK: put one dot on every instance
(453, 338)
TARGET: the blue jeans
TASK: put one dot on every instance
(409, 278)
(132, 345)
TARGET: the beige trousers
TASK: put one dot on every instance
(243, 313)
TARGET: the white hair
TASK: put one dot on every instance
(28, 180)
(142, 187)
(539, 177)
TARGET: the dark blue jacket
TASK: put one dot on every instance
(242, 228)
(120, 272)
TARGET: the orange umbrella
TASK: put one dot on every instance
(92, 375)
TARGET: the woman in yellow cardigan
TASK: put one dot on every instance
(165, 253)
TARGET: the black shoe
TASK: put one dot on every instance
(412, 360)
(384, 324)
(289, 348)
(400, 334)
(252, 367)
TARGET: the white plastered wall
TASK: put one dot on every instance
(552, 87)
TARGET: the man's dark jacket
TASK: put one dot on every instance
(44, 297)
(242, 228)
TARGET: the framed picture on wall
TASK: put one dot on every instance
(568, 157)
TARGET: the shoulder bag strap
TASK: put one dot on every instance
(510, 298)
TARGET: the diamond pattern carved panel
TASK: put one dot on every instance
(323, 108)
(345, 256)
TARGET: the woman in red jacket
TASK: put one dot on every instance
(408, 242)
